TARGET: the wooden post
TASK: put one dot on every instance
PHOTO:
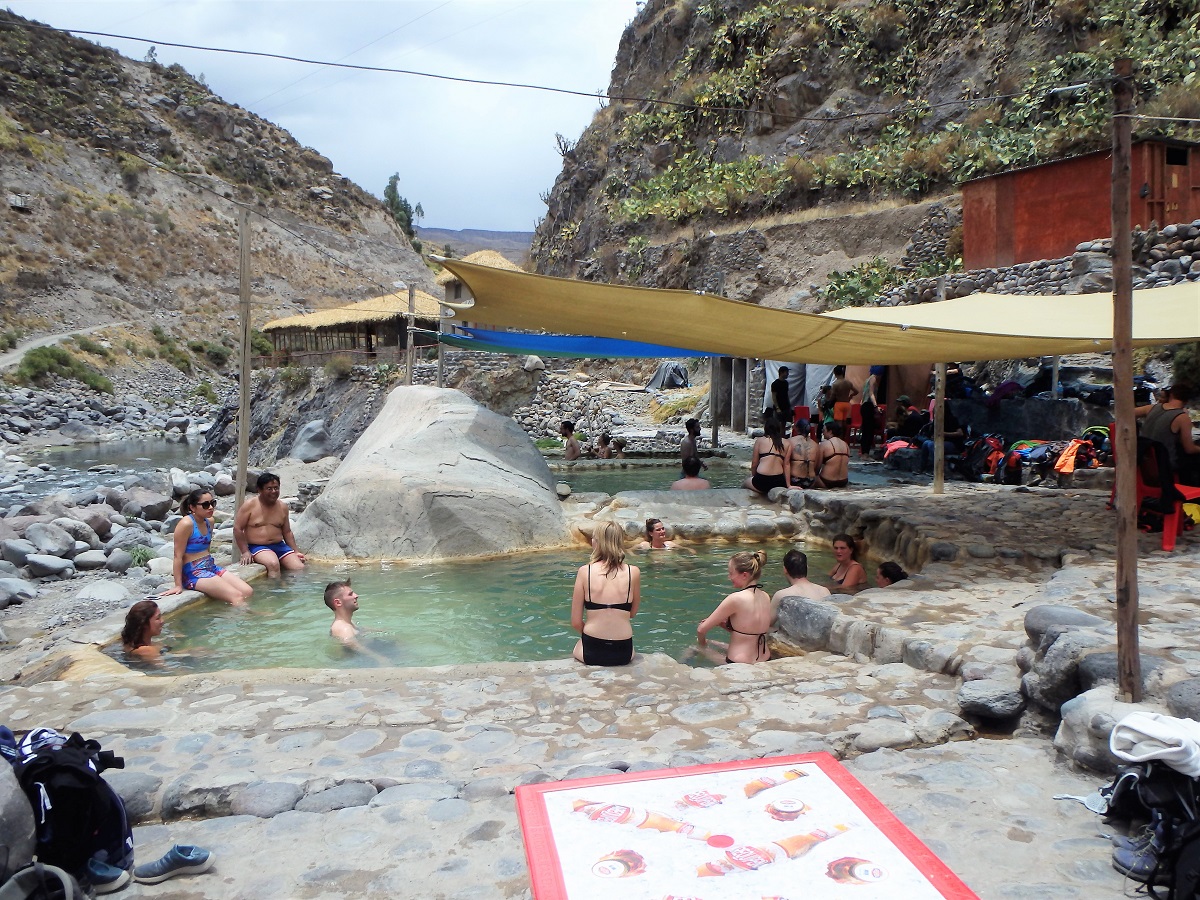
(441, 377)
(1054, 377)
(244, 381)
(1129, 670)
(713, 403)
(939, 429)
(410, 357)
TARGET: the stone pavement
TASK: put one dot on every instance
(397, 783)
(309, 785)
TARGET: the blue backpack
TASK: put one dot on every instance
(77, 815)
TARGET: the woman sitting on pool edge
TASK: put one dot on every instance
(745, 614)
(143, 623)
(194, 568)
(610, 591)
(848, 572)
(656, 536)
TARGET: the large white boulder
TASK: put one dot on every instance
(436, 475)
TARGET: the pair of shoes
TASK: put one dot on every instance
(105, 878)
(182, 859)
(1139, 858)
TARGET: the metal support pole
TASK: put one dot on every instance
(244, 381)
(713, 368)
(939, 429)
(1054, 377)
(1129, 672)
(410, 356)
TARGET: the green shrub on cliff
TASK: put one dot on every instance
(41, 364)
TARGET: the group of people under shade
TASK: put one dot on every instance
(262, 533)
(608, 593)
(798, 461)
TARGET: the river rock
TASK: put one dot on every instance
(41, 565)
(1054, 678)
(352, 793)
(435, 475)
(119, 560)
(111, 592)
(129, 537)
(312, 442)
(16, 824)
(266, 798)
(16, 550)
(15, 590)
(97, 518)
(1041, 619)
(808, 623)
(80, 531)
(1087, 722)
(991, 699)
(77, 431)
(89, 560)
(50, 539)
(152, 504)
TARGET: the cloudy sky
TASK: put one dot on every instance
(473, 156)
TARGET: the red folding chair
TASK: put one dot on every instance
(1151, 485)
(855, 423)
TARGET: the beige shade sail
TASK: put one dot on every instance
(983, 326)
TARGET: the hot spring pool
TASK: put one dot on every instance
(513, 609)
(614, 476)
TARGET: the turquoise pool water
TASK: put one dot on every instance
(612, 478)
(511, 609)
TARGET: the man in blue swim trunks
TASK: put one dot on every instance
(263, 532)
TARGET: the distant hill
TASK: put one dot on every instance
(512, 245)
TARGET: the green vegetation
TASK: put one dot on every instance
(339, 367)
(260, 344)
(9, 338)
(1185, 366)
(866, 281)
(548, 443)
(295, 378)
(205, 391)
(405, 214)
(140, 554)
(170, 351)
(42, 363)
(87, 345)
(735, 62)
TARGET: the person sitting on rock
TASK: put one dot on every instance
(194, 567)
(656, 536)
(833, 455)
(795, 566)
(691, 480)
(770, 458)
(571, 448)
(604, 601)
(745, 614)
(143, 623)
(804, 456)
(262, 530)
(889, 573)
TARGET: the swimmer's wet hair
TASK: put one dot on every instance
(692, 466)
(892, 572)
(333, 590)
(795, 563)
(750, 563)
(610, 546)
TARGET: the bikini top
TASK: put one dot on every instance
(729, 621)
(627, 606)
(198, 541)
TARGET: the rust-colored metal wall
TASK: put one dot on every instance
(1045, 211)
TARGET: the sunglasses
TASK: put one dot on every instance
(207, 504)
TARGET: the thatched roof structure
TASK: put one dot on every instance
(378, 309)
(480, 258)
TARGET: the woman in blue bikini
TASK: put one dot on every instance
(194, 568)
(610, 591)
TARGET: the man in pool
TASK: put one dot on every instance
(340, 597)
(795, 566)
(263, 532)
(571, 448)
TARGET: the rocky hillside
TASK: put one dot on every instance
(782, 112)
(121, 178)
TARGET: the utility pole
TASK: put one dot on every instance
(1129, 669)
(939, 415)
(410, 352)
(244, 385)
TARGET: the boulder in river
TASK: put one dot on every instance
(436, 475)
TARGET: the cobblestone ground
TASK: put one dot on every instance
(397, 783)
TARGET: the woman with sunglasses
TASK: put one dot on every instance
(194, 568)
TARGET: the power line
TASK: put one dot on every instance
(918, 105)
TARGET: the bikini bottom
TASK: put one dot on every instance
(602, 652)
(838, 483)
(764, 483)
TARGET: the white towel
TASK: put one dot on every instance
(1142, 736)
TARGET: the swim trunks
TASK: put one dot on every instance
(764, 483)
(204, 567)
(602, 652)
(841, 412)
(279, 548)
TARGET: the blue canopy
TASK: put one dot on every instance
(565, 345)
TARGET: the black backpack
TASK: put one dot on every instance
(41, 882)
(78, 816)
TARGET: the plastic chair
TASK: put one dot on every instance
(1155, 481)
(855, 423)
(798, 413)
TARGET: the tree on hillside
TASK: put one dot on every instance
(405, 214)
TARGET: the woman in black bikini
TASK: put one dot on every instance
(848, 572)
(771, 459)
(610, 591)
(745, 614)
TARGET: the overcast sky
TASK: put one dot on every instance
(472, 156)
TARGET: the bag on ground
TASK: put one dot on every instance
(38, 881)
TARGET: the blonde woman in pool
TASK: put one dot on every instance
(606, 597)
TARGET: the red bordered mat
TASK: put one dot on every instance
(785, 828)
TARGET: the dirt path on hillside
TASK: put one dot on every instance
(13, 357)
